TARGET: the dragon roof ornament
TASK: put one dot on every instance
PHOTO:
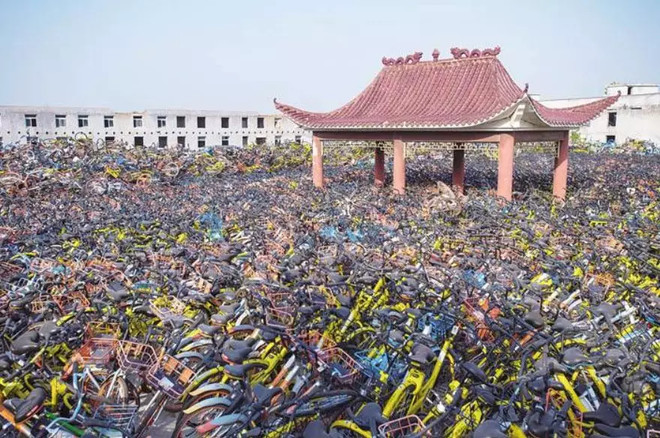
(459, 53)
(408, 60)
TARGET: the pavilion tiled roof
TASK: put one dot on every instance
(462, 92)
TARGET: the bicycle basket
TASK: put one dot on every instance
(317, 340)
(97, 351)
(341, 365)
(102, 329)
(279, 317)
(166, 308)
(120, 416)
(170, 376)
(71, 302)
(402, 427)
(134, 356)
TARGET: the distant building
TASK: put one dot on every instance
(157, 128)
(635, 116)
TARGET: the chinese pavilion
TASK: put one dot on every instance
(466, 102)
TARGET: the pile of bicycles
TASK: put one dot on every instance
(242, 302)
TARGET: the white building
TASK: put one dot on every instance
(158, 128)
(635, 116)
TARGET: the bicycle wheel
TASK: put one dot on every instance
(187, 425)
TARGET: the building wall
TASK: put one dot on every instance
(637, 115)
(13, 127)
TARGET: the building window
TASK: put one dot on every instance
(261, 141)
(60, 121)
(109, 121)
(30, 120)
(162, 121)
(137, 121)
(138, 141)
(225, 140)
(181, 141)
(83, 121)
(260, 122)
(224, 122)
(278, 140)
(244, 122)
(201, 122)
(278, 122)
(162, 142)
(298, 139)
(610, 139)
(201, 141)
(180, 121)
(611, 119)
(109, 140)
(245, 140)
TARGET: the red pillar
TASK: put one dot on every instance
(458, 175)
(379, 167)
(399, 170)
(505, 166)
(317, 162)
(561, 169)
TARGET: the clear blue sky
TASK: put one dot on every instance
(238, 55)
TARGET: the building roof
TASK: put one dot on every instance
(468, 90)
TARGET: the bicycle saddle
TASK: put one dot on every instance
(605, 414)
(236, 355)
(342, 312)
(607, 310)
(476, 372)
(344, 301)
(421, 354)
(613, 357)
(208, 330)
(622, 431)
(229, 309)
(23, 408)
(396, 336)
(574, 356)
(563, 325)
(117, 291)
(316, 429)
(535, 319)
(264, 395)
(370, 416)
(489, 429)
(26, 343)
(540, 424)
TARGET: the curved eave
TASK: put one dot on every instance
(301, 117)
(572, 117)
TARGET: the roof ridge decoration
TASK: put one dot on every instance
(409, 60)
(459, 53)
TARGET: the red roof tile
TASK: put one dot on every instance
(572, 116)
(450, 93)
